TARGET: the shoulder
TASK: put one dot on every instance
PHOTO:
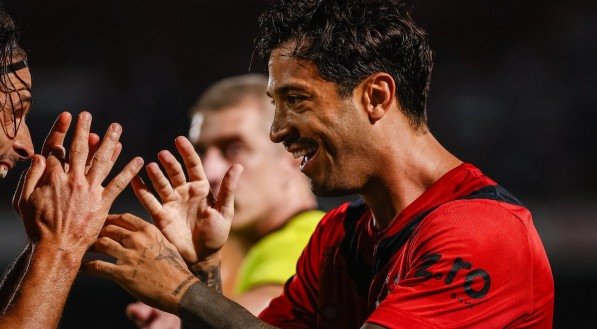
(485, 233)
(479, 218)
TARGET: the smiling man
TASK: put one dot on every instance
(271, 225)
(433, 243)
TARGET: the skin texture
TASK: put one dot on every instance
(211, 224)
(351, 136)
(14, 275)
(235, 134)
(15, 148)
(63, 207)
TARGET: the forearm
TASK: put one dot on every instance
(39, 301)
(202, 307)
(13, 277)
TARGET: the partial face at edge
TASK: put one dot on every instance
(15, 105)
(314, 123)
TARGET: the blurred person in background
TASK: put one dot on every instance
(432, 243)
(274, 215)
(60, 200)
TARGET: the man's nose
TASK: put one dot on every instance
(280, 128)
(215, 166)
(22, 144)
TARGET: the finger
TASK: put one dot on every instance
(100, 268)
(159, 181)
(55, 167)
(115, 156)
(173, 168)
(191, 159)
(116, 152)
(225, 203)
(33, 176)
(116, 233)
(17, 196)
(119, 183)
(102, 159)
(109, 247)
(79, 147)
(147, 199)
(127, 221)
(93, 144)
(57, 133)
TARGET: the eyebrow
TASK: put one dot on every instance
(286, 89)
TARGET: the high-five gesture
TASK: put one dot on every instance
(62, 201)
(189, 215)
(63, 205)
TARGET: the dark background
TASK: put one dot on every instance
(513, 91)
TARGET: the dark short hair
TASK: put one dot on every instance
(350, 40)
(10, 51)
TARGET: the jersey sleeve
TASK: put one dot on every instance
(468, 264)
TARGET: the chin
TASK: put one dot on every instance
(325, 189)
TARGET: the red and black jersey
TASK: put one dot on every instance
(464, 254)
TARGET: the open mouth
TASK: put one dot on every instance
(306, 158)
(307, 153)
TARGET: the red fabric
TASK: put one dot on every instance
(468, 263)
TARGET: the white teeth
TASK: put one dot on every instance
(304, 162)
(302, 152)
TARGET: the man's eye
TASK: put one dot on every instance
(294, 99)
(201, 151)
(232, 150)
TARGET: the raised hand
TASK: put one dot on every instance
(189, 215)
(148, 265)
(54, 145)
(67, 205)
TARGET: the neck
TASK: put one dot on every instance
(407, 173)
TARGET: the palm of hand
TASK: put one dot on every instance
(187, 212)
(203, 230)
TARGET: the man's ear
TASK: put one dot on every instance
(378, 95)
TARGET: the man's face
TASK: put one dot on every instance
(15, 103)
(238, 134)
(328, 132)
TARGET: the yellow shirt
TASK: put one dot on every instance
(272, 260)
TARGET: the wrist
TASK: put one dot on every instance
(207, 264)
(67, 256)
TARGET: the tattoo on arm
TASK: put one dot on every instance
(210, 277)
(183, 284)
